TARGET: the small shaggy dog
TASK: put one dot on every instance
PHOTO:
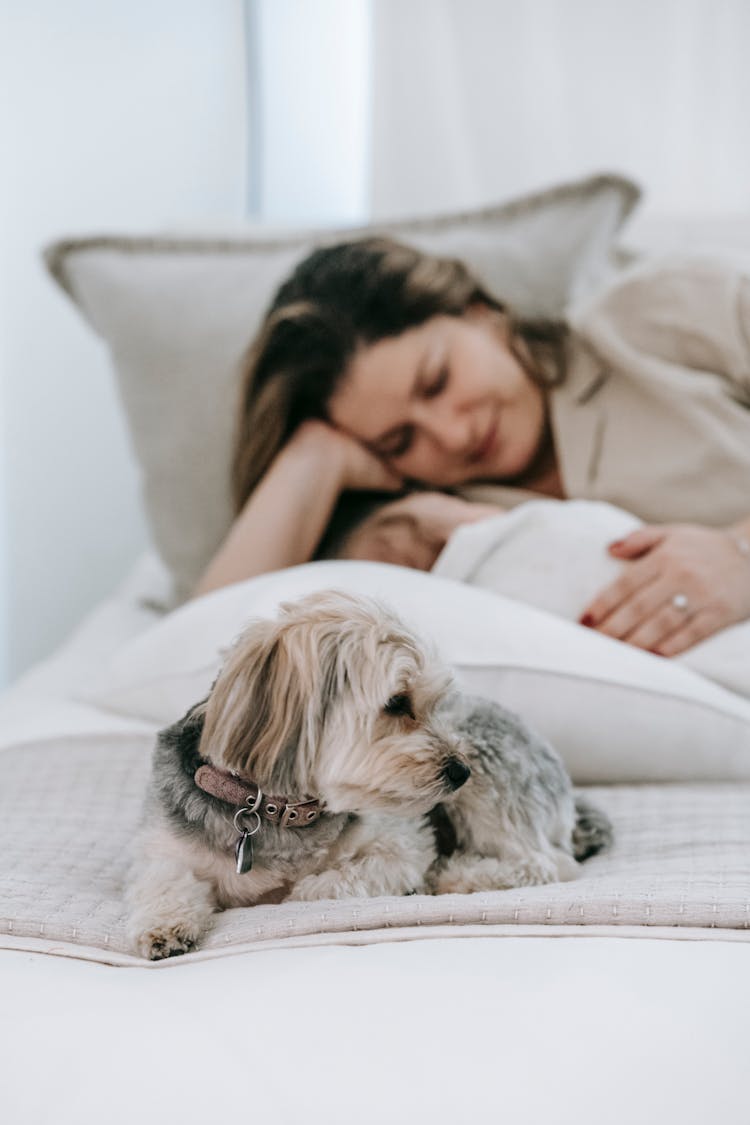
(334, 758)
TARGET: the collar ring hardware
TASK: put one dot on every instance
(241, 827)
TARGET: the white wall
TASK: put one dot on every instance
(113, 117)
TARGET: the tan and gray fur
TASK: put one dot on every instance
(337, 699)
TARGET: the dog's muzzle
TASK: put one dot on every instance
(456, 773)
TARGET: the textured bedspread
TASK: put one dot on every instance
(69, 807)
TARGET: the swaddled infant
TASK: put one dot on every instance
(549, 553)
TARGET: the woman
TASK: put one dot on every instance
(379, 366)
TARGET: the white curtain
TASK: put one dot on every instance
(309, 89)
(476, 100)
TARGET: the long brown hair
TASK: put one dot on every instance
(338, 298)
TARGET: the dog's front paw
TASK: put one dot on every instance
(328, 884)
(467, 874)
(166, 941)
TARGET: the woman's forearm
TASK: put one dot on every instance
(284, 518)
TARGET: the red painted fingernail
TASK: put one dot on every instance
(655, 651)
(617, 543)
(587, 620)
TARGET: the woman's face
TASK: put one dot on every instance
(444, 403)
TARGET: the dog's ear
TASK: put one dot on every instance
(256, 716)
(183, 737)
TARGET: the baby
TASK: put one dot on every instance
(411, 531)
(551, 554)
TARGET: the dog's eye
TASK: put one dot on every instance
(399, 705)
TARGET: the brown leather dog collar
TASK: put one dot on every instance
(235, 790)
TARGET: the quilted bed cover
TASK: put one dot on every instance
(69, 807)
(73, 779)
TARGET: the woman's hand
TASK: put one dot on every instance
(682, 583)
(359, 468)
(285, 516)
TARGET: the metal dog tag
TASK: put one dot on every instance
(243, 851)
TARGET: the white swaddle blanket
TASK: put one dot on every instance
(553, 555)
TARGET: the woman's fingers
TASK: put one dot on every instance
(649, 618)
(638, 542)
(655, 625)
(671, 627)
(641, 617)
(670, 630)
(619, 606)
(359, 467)
(698, 627)
(364, 470)
(636, 548)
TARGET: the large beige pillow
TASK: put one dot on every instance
(615, 713)
(178, 314)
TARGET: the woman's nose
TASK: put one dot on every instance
(449, 429)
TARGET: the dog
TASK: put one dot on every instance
(334, 757)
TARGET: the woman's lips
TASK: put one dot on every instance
(487, 445)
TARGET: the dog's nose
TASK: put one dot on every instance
(455, 773)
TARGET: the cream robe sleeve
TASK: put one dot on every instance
(654, 412)
(691, 311)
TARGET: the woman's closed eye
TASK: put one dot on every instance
(396, 444)
(437, 385)
(399, 442)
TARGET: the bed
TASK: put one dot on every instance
(622, 995)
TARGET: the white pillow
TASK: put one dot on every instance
(615, 713)
(178, 314)
(553, 554)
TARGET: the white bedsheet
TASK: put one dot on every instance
(520, 1030)
(526, 1029)
(41, 703)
